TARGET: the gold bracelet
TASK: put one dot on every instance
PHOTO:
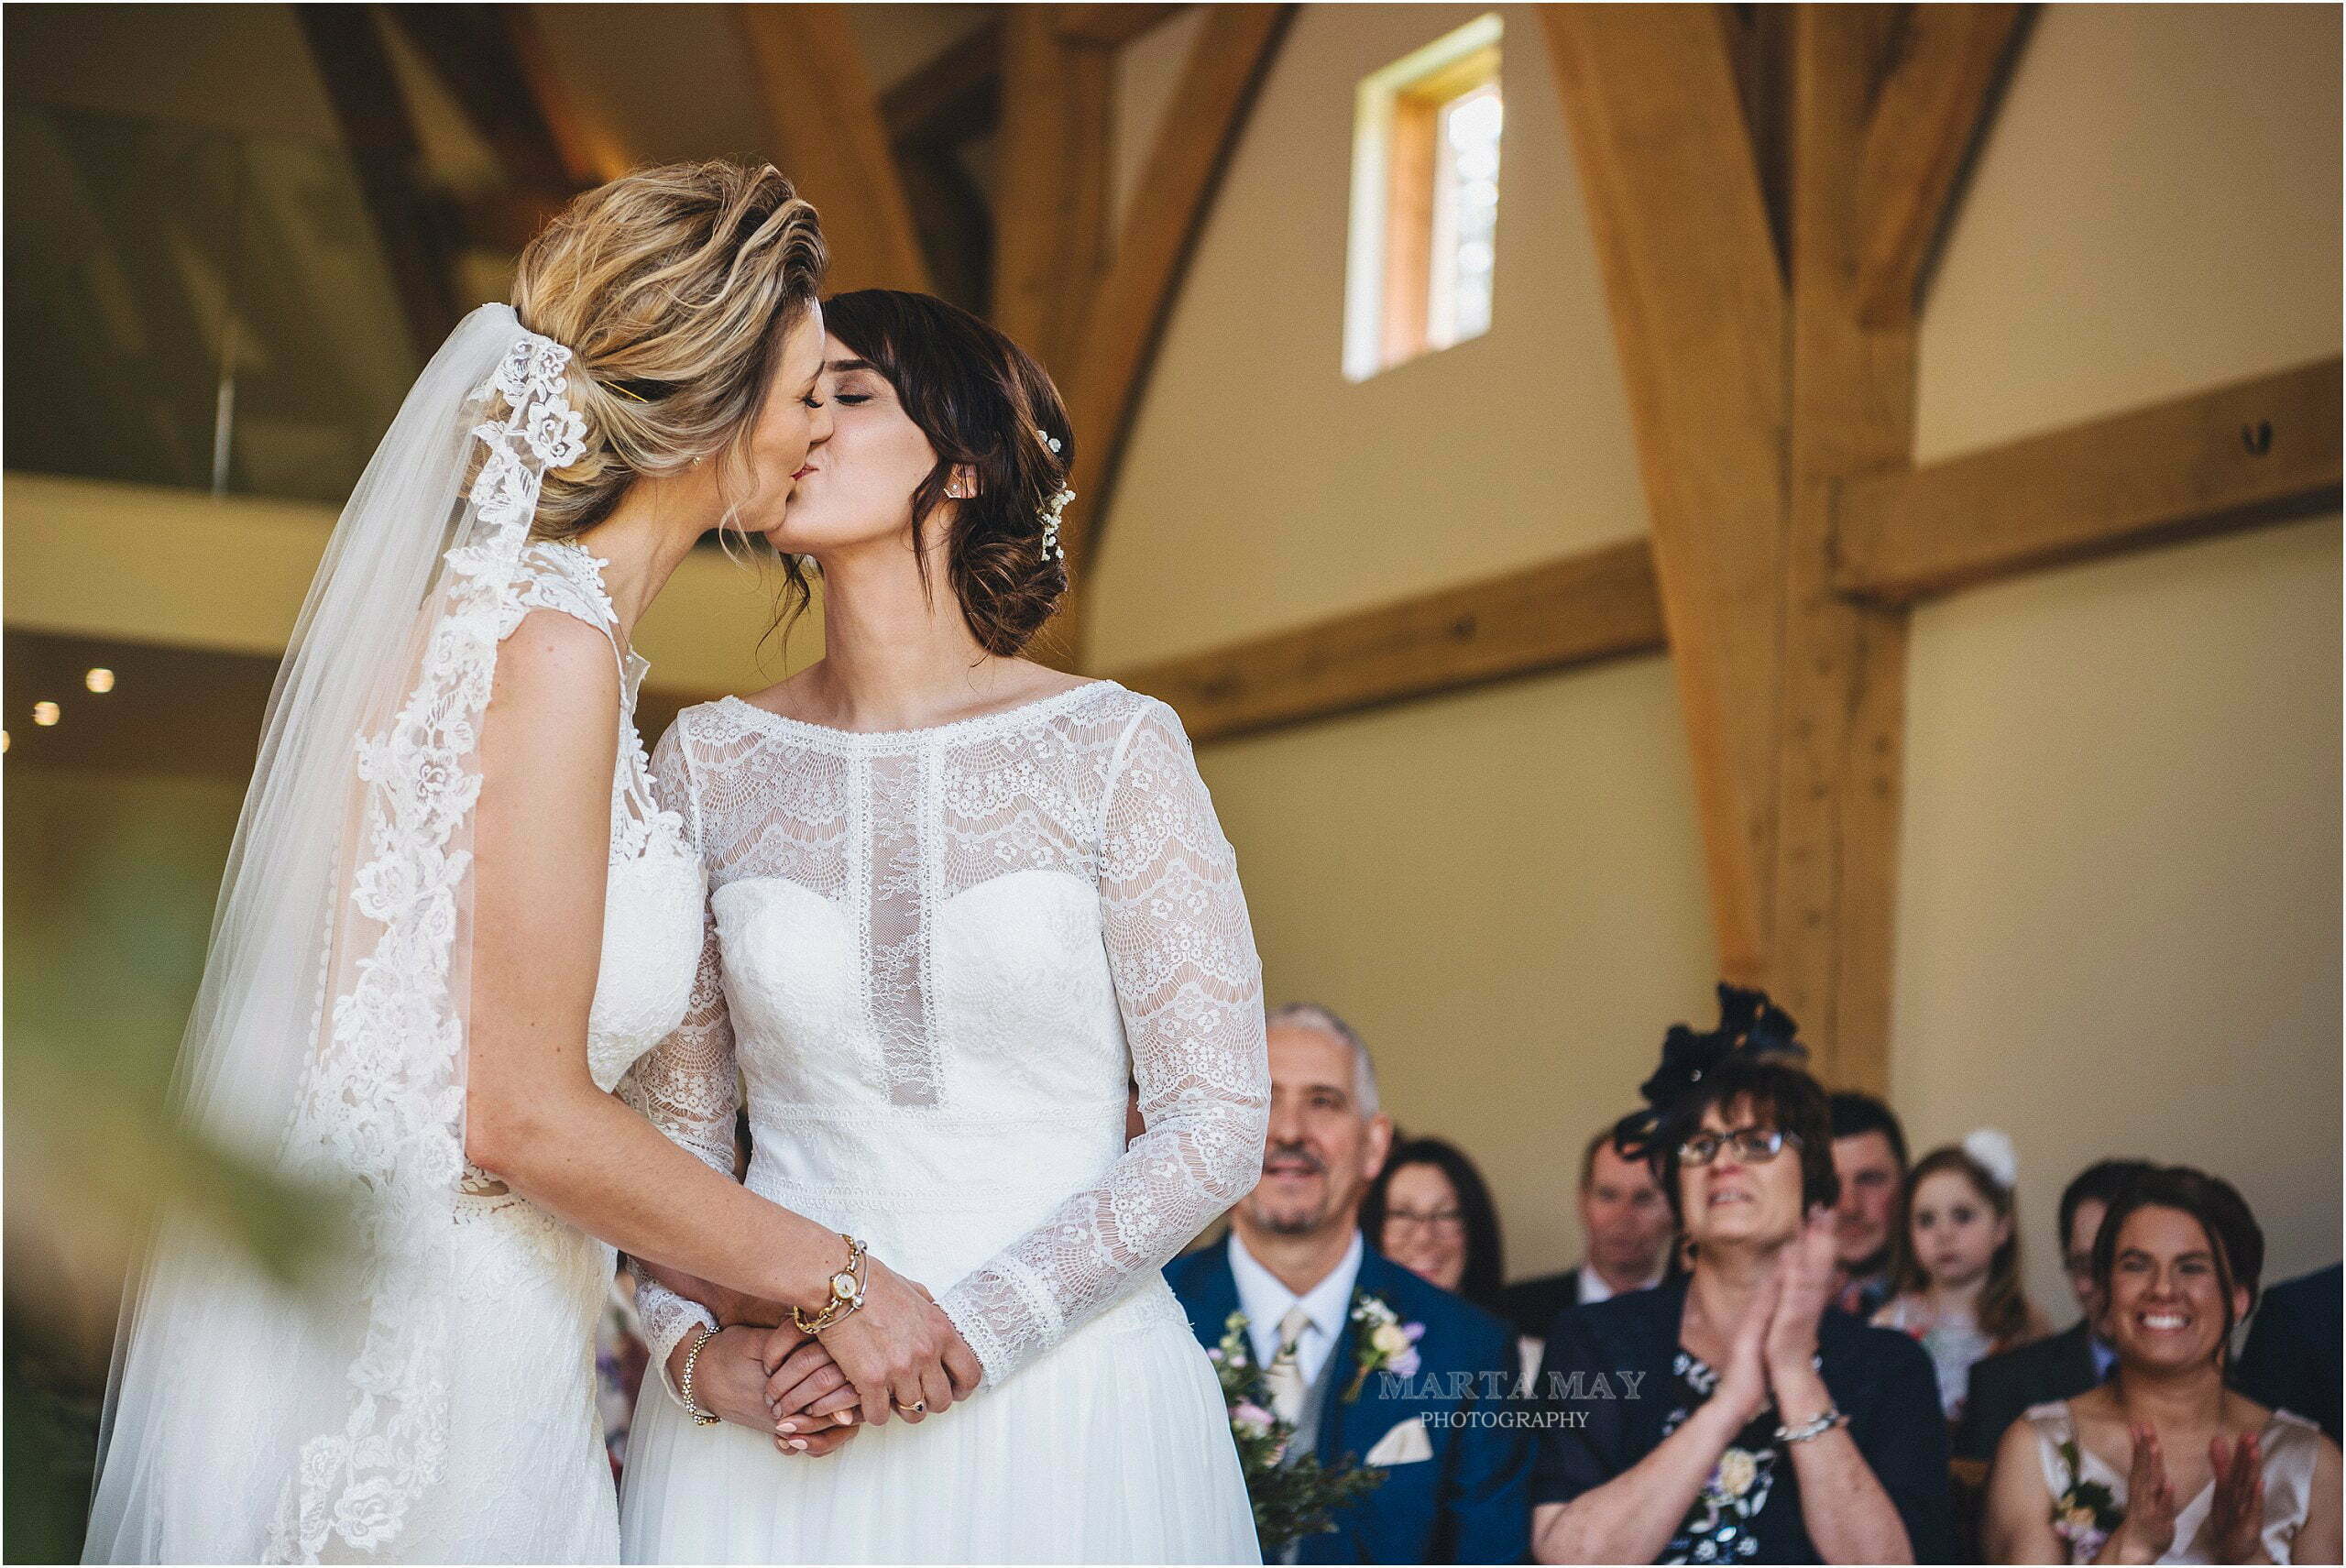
(847, 1292)
(685, 1383)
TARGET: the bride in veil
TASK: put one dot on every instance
(455, 916)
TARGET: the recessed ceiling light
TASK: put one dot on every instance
(45, 714)
(100, 680)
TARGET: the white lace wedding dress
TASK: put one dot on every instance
(937, 957)
(527, 1478)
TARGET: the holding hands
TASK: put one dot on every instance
(896, 1352)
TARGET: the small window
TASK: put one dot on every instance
(1425, 201)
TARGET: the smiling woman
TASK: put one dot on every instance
(2164, 1463)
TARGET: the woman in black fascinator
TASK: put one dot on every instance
(1730, 1414)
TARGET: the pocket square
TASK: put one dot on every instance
(1405, 1444)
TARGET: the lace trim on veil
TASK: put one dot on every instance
(381, 1107)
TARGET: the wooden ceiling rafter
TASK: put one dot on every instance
(1134, 296)
(2258, 451)
(1684, 242)
(1766, 327)
(414, 228)
(1051, 239)
(1578, 610)
(1110, 25)
(829, 133)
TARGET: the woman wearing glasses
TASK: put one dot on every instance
(1429, 1211)
(1732, 1416)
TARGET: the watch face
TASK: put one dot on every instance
(843, 1286)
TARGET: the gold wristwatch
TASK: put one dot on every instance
(847, 1292)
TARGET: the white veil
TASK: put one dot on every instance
(245, 1420)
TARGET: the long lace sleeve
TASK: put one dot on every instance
(686, 1085)
(1190, 988)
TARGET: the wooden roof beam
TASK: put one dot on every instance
(1110, 25)
(1949, 62)
(1674, 198)
(829, 134)
(2234, 457)
(355, 64)
(1600, 604)
(1202, 125)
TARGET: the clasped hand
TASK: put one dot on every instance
(896, 1352)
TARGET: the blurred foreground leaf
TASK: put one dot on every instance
(92, 1162)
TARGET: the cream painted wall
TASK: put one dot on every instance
(2118, 923)
(2155, 211)
(1501, 891)
(1261, 489)
(2118, 910)
(2122, 836)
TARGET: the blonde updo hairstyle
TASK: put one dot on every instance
(677, 285)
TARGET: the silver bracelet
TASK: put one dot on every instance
(1817, 1428)
(685, 1383)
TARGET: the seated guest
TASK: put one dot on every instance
(1870, 1157)
(1293, 1269)
(1429, 1211)
(2071, 1361)
(1733, 1414)
(2163, 1463)
(2291, 1360)
(1958, 1278)
(1627, 1225)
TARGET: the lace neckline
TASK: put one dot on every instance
(1000, 720)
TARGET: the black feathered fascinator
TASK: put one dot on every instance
(1752, 1028)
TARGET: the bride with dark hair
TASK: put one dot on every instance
(958, 901)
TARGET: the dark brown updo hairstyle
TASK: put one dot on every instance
(2229, 1225)
(673, 287)
(982, 403)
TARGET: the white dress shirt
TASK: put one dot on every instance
(1594, 1288)
(1266, 1301)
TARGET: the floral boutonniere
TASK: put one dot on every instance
(1382, 1343)
(1290, 1500)
(2085, 1514)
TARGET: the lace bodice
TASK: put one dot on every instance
(651, 923)
(937, 958)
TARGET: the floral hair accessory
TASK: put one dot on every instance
(1992, 1149)
(1051, 509)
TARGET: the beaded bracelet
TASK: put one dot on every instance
(1817, 1428)
(685, 1383)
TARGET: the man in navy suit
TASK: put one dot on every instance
(1445, 1432)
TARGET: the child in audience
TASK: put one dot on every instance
(1957, 1271)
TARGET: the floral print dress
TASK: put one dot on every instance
(1724, 1525)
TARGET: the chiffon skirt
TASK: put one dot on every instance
(1113, 1447)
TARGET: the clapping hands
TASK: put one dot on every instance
(1772, 1351)
(2235, 1527)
